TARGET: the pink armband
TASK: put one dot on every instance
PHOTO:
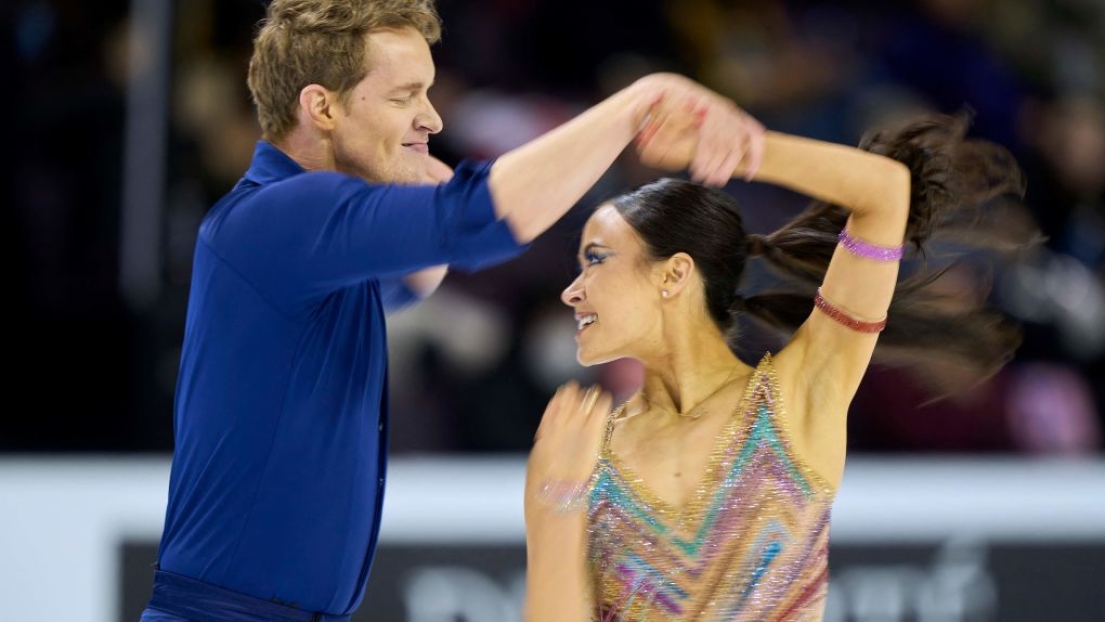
(861, 248)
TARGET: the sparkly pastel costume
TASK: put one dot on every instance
(751, 545)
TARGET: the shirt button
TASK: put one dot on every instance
(380, 426)
(381, 482)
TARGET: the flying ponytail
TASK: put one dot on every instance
(960, 187)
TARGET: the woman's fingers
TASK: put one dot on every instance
(543, 425)
(569, 406)
(588, 401)
(572, 407)
(569, 437)
(554, 411)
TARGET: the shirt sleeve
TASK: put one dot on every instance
(301, 238)
(396, 295)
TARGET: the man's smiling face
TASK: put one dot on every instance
(385, 122)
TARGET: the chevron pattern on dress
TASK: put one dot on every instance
(752, 544)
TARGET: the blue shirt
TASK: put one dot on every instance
(281, 403)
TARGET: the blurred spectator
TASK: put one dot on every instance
(1030, 408)
(471, 376)
(790, 64)
(71, 356)
(941, 49)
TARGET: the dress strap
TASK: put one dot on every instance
(611, 419)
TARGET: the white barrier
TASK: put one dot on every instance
(62, 520)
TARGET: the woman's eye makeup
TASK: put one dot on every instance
(593, 255)
(592, 258)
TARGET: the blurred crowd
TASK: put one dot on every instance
(475, 364)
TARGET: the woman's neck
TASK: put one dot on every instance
(693, 371)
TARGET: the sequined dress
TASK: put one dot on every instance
(751, 545)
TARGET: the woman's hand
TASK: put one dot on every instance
(565, 453)
(690, 126)
(569, 438)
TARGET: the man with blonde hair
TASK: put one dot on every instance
(281, 403)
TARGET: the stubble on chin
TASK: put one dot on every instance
(409, 172)
(423, 170)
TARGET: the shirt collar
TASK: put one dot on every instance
(271, 164)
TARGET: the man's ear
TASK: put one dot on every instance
(316, 106)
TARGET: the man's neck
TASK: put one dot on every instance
(310, 152)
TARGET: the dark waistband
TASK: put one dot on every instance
(203, 602)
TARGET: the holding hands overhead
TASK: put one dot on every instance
(677, 123)
(692, 127)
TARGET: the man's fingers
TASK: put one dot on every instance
(717, 144)
(699, 131)
(709, 158)
(730, 164)
(669, 139)
(734, 147)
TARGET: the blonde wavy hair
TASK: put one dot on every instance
(303, 42)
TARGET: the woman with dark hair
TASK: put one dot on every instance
(707, 494)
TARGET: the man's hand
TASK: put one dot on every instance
(437, 172)
(690, 126)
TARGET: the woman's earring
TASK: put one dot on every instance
(665, 293)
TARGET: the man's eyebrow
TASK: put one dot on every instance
(410, 86)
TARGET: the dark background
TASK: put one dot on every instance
(92, 352)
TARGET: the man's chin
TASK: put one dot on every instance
(412, 170)
(408, 176)
(418, 169)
